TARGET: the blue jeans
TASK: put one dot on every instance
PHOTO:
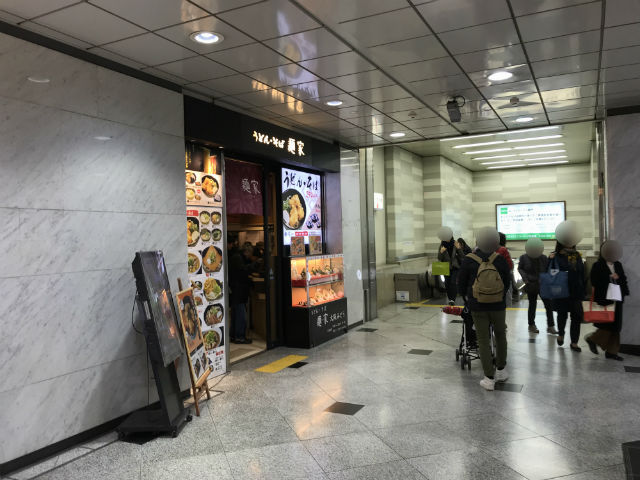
(239, 317)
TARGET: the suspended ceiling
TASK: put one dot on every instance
(393, 63)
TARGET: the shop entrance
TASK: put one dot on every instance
(253, 267)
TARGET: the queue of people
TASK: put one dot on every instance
(484, 279)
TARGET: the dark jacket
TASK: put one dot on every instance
(530, 270)
(467, 275)
(452, 255)
(600, 280)
(577, 275)
(239, 282)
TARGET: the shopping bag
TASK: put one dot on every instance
(594, 313)
(554, 283)
(614, 292)
(440, 268)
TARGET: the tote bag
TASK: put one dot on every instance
(554, 283)
(440, 268)
(614, 292)
(594, 313)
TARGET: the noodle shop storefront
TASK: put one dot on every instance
(264, 235)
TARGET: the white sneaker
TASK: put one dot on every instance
(501, 375)
(488, 383)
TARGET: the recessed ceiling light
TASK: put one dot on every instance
(488, 151)
(501, 161)
(500, 75)
(206, 38)
(511, 132)
(466, 137)
(548, 163)
(546, 158)
(506, 166)
(397, 134)
(546, 152)
(496, 156)
(102, 138)
(529, 147)
(524, 119)
(482, 144)
(545, 137)
(37, 79)
(334, 103)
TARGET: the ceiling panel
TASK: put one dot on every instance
(414, 114)
(622, 12)
(525, 7)
(362, 81)
(563, 115)
(355, 112)
(270, 19)
(568, 80)
(296, 107)
(519, 73)
(316, 118)
(509, 89)
(374, 119)
(621, 86)
(266, 97)
(180, 34)
(10, 17)
(438, 67)
(391, 106)
(115, 57)
(572, 64)
(96, 26)
(374, 30)
(425, 123)
(407, 51)
(623, 36)
(341, 11)
(249, 58)
(149, 49)
(33, 8)
(563, 21)
(372, 95)
(564, 46)
(451, 85)
(290, 74)
(340, 64)
(346, 99)
(481, 37)
(492, 59)
(51, 33)
(441, 99)
(196, 69)
(568, 93)
(165, 12)
(444, 15)
(570, 104)
(620, 56)
(216, 6)
(234, 84)
(625, 72)
(314, 89)
(307, 45)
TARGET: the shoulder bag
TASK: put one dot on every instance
(554, 283)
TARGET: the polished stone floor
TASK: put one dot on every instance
(421, 416)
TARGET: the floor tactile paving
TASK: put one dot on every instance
(297, 365)
(629, 369)
(509, 387)
(344, 408)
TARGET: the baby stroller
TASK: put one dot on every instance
(468, 348)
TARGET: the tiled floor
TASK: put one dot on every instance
(423, 417)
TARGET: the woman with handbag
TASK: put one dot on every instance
(609, 287)
(568, 259)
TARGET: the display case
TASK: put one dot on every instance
(317, 307)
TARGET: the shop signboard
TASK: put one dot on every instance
(302, 205)
(244, 188)
(328, 320)
(205, 250)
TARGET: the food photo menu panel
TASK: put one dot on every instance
(301, 205)
(205, 246)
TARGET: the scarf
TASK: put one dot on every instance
(572, 255)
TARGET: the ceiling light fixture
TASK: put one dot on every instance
(488, 151)
(482, 144)
(546, 152)
(102, 138)
(510, 132)
(506, 166)
(397, 134)
(496, 156)
(334, 103)
(548, 163)
(524, 119)
(545, 137)
(546, 145)
(502, 161)
(500, 75)
(545, 158)
(466, 137)
(206, 38)
(36, 79)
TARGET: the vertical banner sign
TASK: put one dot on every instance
(244, 188)
(301, 205)
(205, 242)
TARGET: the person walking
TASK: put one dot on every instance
(529, 266)
(240, 285)
(462, 245)
(484, 279)
(605, 271)
(504, 251)
(569, 260)
(452, 253)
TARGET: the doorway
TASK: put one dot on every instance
(252, 240)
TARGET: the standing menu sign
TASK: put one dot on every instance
(198, 362)
(301, 205)
(205, 242)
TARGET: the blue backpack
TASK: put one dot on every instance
(554, 283)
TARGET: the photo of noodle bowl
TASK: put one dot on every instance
(193, 262)
(294, 209)
(211, 259)
(212, 289)
(212, 339)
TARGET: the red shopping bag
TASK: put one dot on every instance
(594, 313)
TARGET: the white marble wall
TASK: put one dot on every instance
(351, 234)
(73, 211)
(623, 176)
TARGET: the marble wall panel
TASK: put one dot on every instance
(72, 86)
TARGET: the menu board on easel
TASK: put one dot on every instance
(205, 246)
(194, 343)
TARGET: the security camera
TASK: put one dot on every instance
(453, 107)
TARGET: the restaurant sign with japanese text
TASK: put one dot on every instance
(328, 321)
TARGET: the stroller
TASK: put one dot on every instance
(468, 348)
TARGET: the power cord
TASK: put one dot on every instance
(139, 332)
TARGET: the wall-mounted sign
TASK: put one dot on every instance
(302, 205)
(378, 201)
(291, 145)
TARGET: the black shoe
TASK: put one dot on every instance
(592, 346)
(613, 356)
(244, 341)
(452, 303)
(575, 348)
(560, 340)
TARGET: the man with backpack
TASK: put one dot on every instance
(484, 278)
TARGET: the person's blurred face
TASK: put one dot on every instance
(611, 251)
(488, 239)
(534, 247)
